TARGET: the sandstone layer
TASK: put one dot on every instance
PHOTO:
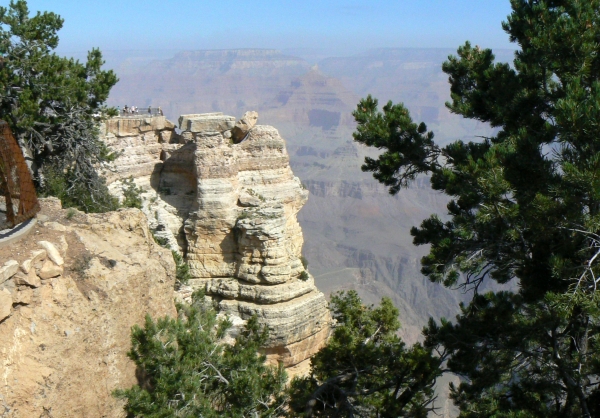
(232, 210)
(142, 145)
(69, 294)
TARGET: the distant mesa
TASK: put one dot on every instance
(349, 149)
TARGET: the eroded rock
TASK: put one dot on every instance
(6, 302)
(49, 270)
(206, 122)
(243, 126)
(36, 260)
(8, 270)
(244, 241)
(52, 252)
(231, 207)
(30, 279)
(23, 297)
(55, 336)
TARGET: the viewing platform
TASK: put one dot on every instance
(139, 112)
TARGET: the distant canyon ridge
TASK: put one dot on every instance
(356, 234)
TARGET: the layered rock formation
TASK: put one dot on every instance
(142, 145)
(139, 141)
(69, 294)
(236, 207)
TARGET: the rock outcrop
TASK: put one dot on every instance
(243, 126)
(139, 142)
(143, 144)
(233, 210)
(69, 294)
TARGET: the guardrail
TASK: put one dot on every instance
(140, 112)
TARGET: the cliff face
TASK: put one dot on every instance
(233, 213)
(139, 141)
(69, 293)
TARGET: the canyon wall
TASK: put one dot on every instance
(70, 292)
(231, 209)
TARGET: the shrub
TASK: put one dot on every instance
(132, 194)
(189, 371)
(183, 269)
(90, 197)
(70, 213)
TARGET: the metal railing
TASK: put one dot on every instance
(16, 185)
(140, 112)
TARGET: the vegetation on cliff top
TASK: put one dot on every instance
(525, 209)
(52, 105)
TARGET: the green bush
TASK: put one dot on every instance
(366, 370)
(132, 194)
(71, 213)
(190, 372)
(183, 269)
(91, 197)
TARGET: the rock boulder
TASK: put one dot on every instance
(243, 126)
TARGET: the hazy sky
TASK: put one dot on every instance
(335, 25)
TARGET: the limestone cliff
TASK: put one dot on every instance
(231, 208)
(69, 293)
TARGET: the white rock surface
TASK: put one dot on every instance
(52, 252)
(206, 122)
(8, 270)
(37, 257)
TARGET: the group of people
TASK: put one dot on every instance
(130, 110)
(134, 110)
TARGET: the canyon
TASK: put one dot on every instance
(75, 284)
(357, 236)
(230, 204)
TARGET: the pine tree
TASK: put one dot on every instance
(52, 105)
(366, 370)
(189, 371)
(524, 210)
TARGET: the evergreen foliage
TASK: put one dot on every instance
(304, 276)
(132, 194)
(366, 370)
(53, 105)
(182, 272)
(524, 209)
(188, 371)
